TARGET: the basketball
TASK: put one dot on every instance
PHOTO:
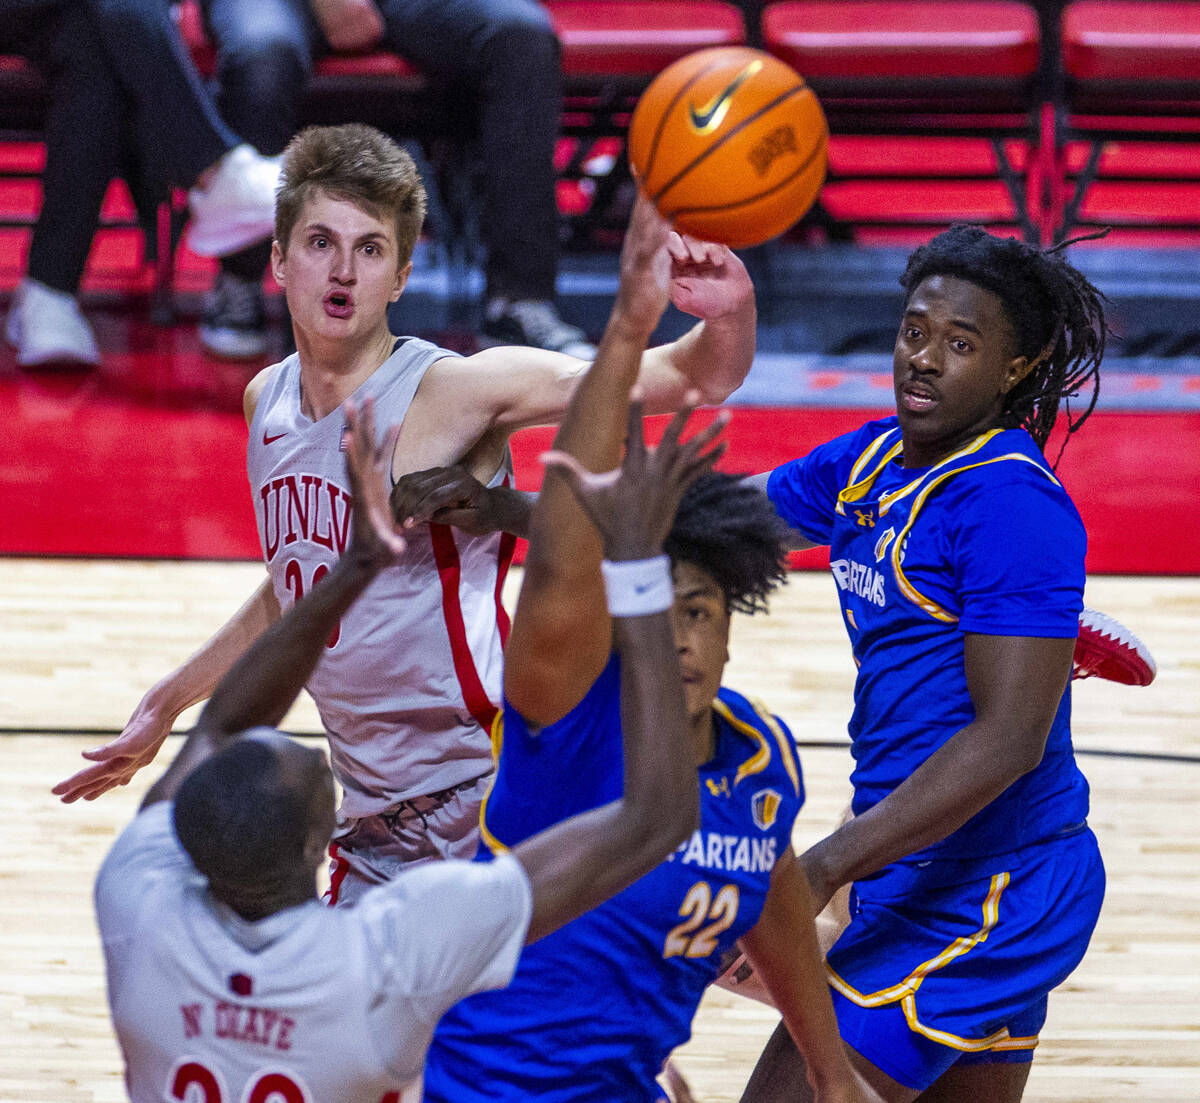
(730, 145)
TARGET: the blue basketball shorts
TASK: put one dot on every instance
(952, 961)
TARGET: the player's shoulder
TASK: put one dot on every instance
(1009, 472)
(255, 388)
(770, 749)
(145, 859)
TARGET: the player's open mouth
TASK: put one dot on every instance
(339, 304)
(917, 397)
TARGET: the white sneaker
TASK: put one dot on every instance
(237, 208)
(47, 327)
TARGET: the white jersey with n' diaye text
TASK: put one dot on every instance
(408, 683)
(310, 1005)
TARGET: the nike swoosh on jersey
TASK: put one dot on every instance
(707, 118)
(272, 440)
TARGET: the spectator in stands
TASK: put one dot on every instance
(152, 96)
(501, 53)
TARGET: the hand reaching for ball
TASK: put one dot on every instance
(707, 280)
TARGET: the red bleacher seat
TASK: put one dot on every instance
(1119, 40)
(904, 38)
(638, 38)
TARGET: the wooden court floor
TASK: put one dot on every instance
(81, 640)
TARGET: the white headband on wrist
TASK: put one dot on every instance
(638, 587)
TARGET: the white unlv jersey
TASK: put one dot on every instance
(408, 682)
(312, 1004)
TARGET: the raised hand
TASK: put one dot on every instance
(116, 762)
(374, 536)
(633, 506)
(708, 281)
(644, 290)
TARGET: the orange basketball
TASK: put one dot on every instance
(730, 144)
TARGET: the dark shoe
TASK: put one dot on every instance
(235, 319)
(534, 322)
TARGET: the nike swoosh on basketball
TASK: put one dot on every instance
(709, 116)
(272, 440)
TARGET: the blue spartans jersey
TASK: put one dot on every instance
(595, 1008)
(985, 541)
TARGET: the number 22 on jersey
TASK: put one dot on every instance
(689, 938)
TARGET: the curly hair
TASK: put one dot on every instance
(1056, 313)
(729, 528)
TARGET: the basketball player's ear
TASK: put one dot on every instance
(401, 282)
(1018, 368)
(277, 262)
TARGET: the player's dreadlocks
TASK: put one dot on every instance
(1057, 314)
(730, 529)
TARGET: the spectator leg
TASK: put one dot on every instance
(180, 132)
(265, 51)
(506, 54)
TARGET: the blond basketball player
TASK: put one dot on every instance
(227, 980)
(408, 683)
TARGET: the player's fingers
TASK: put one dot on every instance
(701, 440)
(578, 477)
(670, 438)
(635, 436)
(677, 247)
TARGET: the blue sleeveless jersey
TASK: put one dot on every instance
(597, 1006)
(986, 541)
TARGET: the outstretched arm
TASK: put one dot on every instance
(116, 762)
(561, 635)
(261, 687)
(581, 862)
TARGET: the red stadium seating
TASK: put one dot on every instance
(924, 67)
(1131, 75)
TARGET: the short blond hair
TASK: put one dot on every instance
(357, 163)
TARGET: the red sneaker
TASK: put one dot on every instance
(1107, 649)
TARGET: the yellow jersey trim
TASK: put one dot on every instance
(905, 992)
(857, 485)
(497, 734)
(854, 492)
(761, 757)
(787, 751)
(928, 605)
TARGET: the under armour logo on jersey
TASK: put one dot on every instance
(241, 985)
(764, 806)
(864, 518)
(718, 789)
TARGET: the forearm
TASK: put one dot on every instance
(713, 357)
(783, 949)
(511, 510)
(265, 681)
(962, 777)
(660, 781)
(199, 675)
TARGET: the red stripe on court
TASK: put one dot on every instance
(445, 554)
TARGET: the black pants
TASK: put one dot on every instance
(501, 54)
(136, 99)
